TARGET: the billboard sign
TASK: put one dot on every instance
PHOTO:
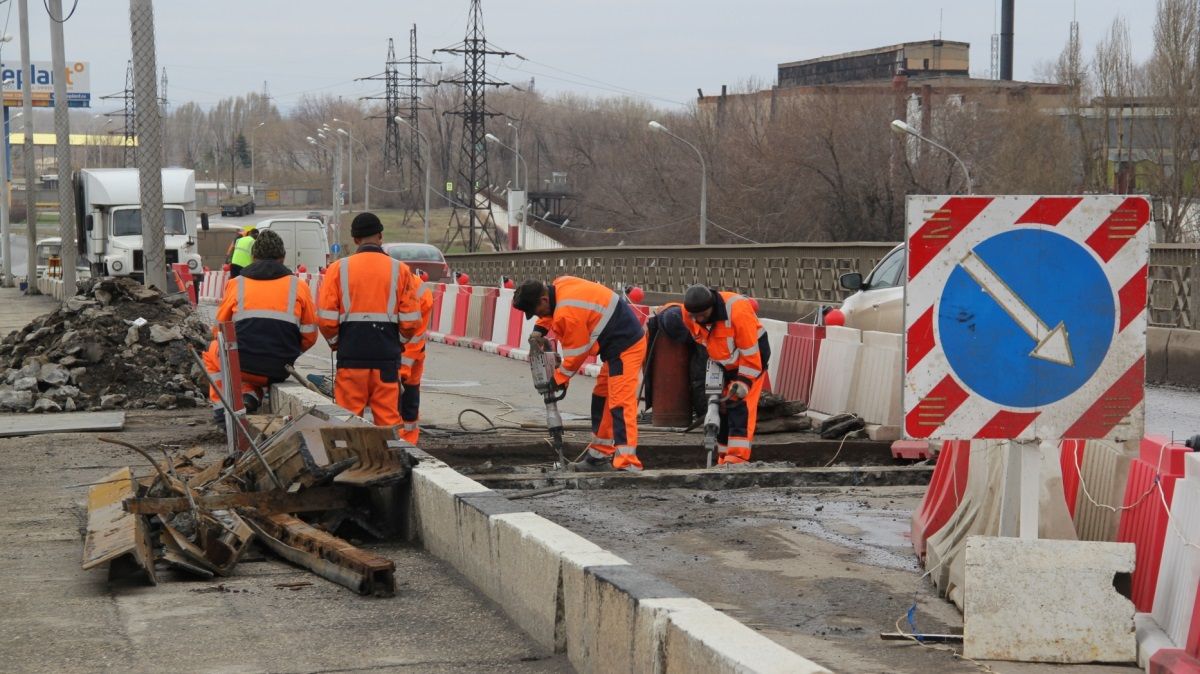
(40, 79)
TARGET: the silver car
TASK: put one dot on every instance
(878, 303)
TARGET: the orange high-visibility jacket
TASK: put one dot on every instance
(274, 316)
(589, 319)
(414, 350)
(732, 339)
(368, 309)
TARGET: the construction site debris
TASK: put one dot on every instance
(201, 519)
(116, 345)
(34, 424)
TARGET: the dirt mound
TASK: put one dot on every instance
(116, 345)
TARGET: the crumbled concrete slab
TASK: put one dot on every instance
(34, 424)
(1047, 601)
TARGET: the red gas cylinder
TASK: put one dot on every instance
(671, 396)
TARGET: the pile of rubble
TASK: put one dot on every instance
(200, 519)
(116, 345)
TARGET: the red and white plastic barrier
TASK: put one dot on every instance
(212, 288)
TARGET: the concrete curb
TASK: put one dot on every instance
(1173, 356)
(567, 593)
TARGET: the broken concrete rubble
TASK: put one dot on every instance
(116, 338)
(202, 518)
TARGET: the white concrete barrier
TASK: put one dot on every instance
(833, 383)
(879, 379)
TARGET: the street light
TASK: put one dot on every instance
(900, 128)
(253, 157)
(428, 164)
(336, 218)
(525, 206)
(367, 180)
(655, 126)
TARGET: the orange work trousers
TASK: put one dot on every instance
(615, 408)
(253, 384)
(737, 426)
(356, 389)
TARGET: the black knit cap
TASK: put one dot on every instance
(365, 224)
(528, 295)
(697, 298)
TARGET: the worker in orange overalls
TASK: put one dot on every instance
(412, 366)
(590, 319)
(367, 311)
(275, 319)
(726, 325)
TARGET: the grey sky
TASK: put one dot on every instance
(664, 49)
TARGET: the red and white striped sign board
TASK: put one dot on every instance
(1025, 317)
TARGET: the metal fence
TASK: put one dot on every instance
(787, 279)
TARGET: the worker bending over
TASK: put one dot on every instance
(726, 325)
(273, 313)
(367, 311)
(412, 365)
(589, 319)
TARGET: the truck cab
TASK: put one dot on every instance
(109, 220)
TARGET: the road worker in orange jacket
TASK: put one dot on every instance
(275, 319)
(725, 324)
(367, 311)
(588, 320)
(412, 365)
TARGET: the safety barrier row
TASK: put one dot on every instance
(52, 287)
(212, 286)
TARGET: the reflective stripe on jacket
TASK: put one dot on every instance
(273, 313)
(735, 338)
(589, 319)
(368, 309)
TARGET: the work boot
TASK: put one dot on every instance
(251, 402)
(591, 465)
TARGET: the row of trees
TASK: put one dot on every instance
(813, 168)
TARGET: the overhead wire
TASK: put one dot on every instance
(46, 4)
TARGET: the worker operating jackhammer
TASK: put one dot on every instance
(590, 319)
(725, 323)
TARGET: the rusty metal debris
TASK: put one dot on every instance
(200, 519)
(328, 556)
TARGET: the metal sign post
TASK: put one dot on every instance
(1026, 321)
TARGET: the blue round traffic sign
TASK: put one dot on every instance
(1026, 318)
(335, 248)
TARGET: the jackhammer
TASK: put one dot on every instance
(542, 365)
(714, 381)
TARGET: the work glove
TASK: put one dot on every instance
(738, 390)
(538, 341)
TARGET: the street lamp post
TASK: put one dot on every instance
(703, 180)
(428, 164)
(900, 128)
(336, 217)
(525, 206)
(253, 157)
(367, 180)
(350, 161)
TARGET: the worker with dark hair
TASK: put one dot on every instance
(590, 319)
(275, 319)
(725, 323)
(368, 311)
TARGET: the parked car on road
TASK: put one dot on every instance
(878, 303)
(421, 256)
(52, 247)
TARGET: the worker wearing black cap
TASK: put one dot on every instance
(590, 319)
(367, 311)
(725, 324)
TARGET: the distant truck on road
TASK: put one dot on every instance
(237, 205)
(108, 226)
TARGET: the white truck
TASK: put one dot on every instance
(109, 220)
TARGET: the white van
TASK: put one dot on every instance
(305, 241)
